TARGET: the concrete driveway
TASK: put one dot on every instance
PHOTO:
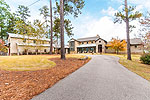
(103, 78)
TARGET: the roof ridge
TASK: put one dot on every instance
(89, 37)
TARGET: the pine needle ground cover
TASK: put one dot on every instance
(19, 83)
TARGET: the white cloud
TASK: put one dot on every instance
(145, 3)
(87, 26)
(110, 11)
(139, 8)
(142, 3)
(103, 26)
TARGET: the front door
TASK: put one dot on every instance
(99, 48)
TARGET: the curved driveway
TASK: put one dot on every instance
(103, 78)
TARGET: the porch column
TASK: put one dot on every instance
(66, 50)
(17, 50)
(96, 48)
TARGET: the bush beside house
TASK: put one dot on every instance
(145, 59)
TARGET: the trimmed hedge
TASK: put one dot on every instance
(145, 59)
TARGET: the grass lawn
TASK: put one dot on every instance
(29, 62)
(135, 65)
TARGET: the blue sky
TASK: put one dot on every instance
(96, 18)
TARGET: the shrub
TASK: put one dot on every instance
(145, 59)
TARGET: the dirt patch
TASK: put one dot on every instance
(17, 85)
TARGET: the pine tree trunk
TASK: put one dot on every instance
(51, 19)
(127, 31)
(62, 29)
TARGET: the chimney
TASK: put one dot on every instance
(98, 35)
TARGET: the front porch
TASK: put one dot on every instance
(86, 50)
(89, 48)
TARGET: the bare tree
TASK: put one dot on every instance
(62, 29)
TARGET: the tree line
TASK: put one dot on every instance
(18, 22)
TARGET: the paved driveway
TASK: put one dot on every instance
(103, 78)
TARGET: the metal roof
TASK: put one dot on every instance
(26, 37)
(33, 44)
(88, 38)
(135, 41)
(86, 45)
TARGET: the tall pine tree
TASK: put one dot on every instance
(127, 15)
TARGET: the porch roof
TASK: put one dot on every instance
(33, 44)
(86, 45)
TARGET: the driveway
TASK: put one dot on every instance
(103, 78)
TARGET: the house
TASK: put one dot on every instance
(88, 45)
(57, 49)
(136, 44)
(20, 44)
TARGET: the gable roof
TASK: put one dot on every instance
(72, 39)
(88, 38)
(94, 38)
(135, 41)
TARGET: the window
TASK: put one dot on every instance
(45, 50)
(42, 42)
(71, 49)
(99, 41)
(92, 42)
(135, 46)
(87, 42)
(82, 42)
(72, 44)
(34, 41)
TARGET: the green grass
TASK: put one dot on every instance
(29, 62)
(135, 65)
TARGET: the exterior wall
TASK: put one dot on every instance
(103, 43)
(76, 44)
(21, 49)
(85, 42)
(15, 49)
(135, 49)
(13, 45)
